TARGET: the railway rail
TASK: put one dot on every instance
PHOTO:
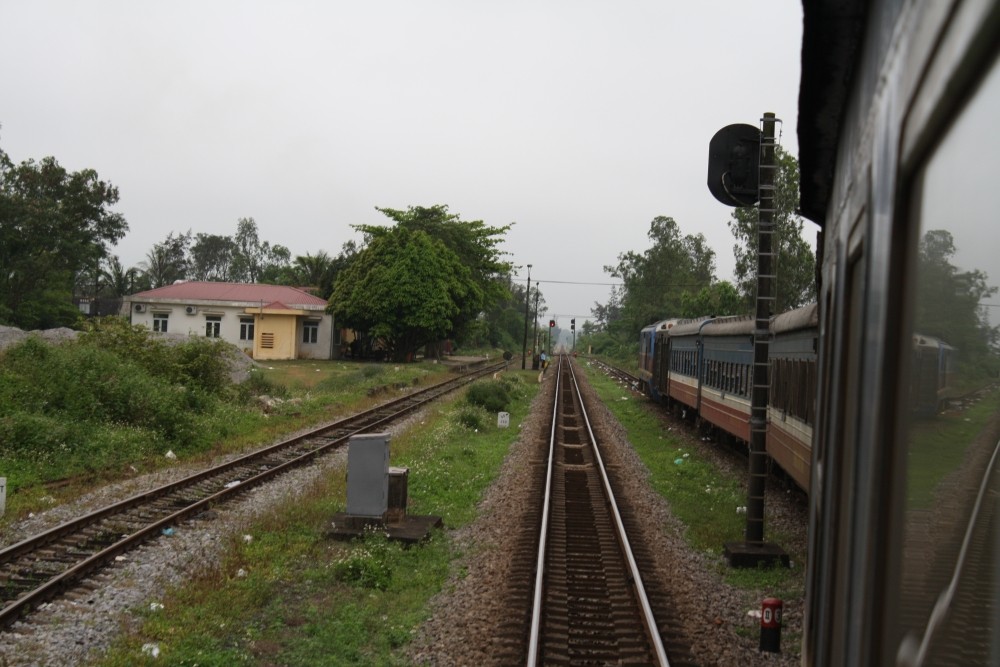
(46, 565)
(590, 604)
(623, 377)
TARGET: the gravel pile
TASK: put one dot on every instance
(83, 623)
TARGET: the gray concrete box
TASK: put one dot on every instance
(368, 475)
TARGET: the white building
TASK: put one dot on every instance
(265, 321)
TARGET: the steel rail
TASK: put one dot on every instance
(640, 590)
(648, 619)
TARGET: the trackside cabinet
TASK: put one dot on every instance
(368, 475)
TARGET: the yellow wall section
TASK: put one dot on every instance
(275, 337)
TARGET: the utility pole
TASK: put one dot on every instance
(535, 334)
(524, 344)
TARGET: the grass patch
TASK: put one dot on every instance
(291, 596)
(938, 446)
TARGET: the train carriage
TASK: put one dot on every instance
(791, 410)
(647, 345)
(897, 144)
(727, 361)
(682, 380)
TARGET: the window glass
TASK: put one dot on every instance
(160, 322)
(952, 424)
(246, 328)
(213, 326)
(310, 332)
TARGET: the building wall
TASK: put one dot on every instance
(288, 329)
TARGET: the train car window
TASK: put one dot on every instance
(951, 540)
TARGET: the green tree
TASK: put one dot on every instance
(167, 262)
(54, 224)
(656, 280)
(477, 247)
(118, 280)
(254, 260)
(719, 298)
(949, 301)
(403, 288)
(794, 261)
(211, 258)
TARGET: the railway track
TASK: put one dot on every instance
(622, 377)
(42, 567)
(576, 578)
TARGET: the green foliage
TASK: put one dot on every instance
(369, 563)
(794, 260)
(491, 395)
(656, 280)
(948, 306)
(53, 224)
(472, 418)
(425, 279)
(403, 288)
(720, 298)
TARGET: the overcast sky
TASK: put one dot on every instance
(580, 121)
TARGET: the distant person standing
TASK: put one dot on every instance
(545, 360)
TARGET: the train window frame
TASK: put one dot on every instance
(952, 85)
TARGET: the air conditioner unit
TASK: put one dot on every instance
(191, 310)
(140, 308)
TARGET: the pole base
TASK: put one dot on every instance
(746, 554)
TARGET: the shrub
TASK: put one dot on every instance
(490, 395)
(470, 418)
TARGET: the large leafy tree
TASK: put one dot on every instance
(477, 246)
(167, 261)
(655, 281)
(54, 224)
(949, 304)
(795, 261)
(472, 277)
(212, 257)
(256, 260)
(403, 288)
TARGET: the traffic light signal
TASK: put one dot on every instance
(572, 324)
(552, 323)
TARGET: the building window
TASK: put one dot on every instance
(310, 331)
(160, 322)
(246, 328)
(213, 326)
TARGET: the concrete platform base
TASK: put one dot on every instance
(743, 554)
(409, 530)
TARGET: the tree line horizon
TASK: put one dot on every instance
(426, 277)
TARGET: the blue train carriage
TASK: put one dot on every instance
(681, 383)
(791, 410)
(932, 375)
(647, 344)
(726, 378)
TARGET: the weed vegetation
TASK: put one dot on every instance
(287, 594)
(117, 399)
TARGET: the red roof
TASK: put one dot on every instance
(249, 293)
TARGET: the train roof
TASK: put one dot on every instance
(688, 327)
(805, 317)
(731, 325)
(662, 325)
